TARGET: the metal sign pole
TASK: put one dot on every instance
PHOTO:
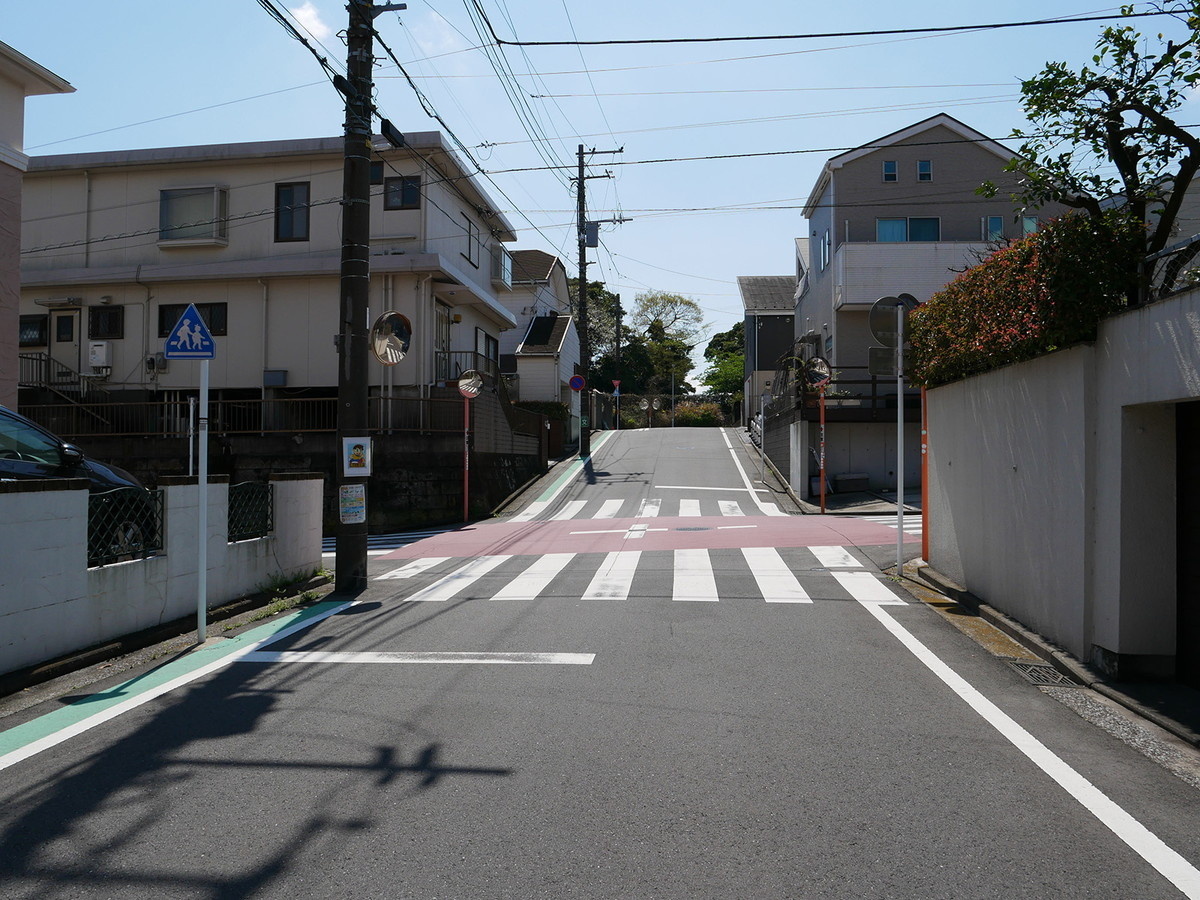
(900, 311)
(466, 458)
(821, 461)
(202, 515)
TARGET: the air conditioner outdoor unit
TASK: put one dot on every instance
(100, 353)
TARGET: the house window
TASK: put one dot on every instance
(1029, 224)
(106, 323)
(487, 346)
(402, 193)
(992, 228)
(915, 228)
(924, 229)
(34, 331)
(64, 329)
(924, 170)
(214, 315)
(472, 251)
(291, 211)
(890, 170)
(193, 214)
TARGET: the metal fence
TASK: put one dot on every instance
(123, 524)
(251, 505)
(1171, 271)
(171, 418)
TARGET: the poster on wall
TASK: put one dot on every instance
(356, 457)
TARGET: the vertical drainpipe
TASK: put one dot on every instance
(137, 279)
(87, 220)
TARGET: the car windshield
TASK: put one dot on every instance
(22, 441)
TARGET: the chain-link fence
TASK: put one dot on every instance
(123, 524)
(251, 505)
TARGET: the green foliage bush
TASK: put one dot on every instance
(698, 415)
(1043, 293)
(552, 410)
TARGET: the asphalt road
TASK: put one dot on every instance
(649, 681)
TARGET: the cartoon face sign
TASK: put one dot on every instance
(358, 457)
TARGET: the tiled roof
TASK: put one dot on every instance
(545, 335)
(532, 265)
(767, 292)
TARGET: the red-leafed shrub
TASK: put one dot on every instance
(1042, 293)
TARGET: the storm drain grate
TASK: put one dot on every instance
(1043, 674)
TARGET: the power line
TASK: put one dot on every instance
(938, 29)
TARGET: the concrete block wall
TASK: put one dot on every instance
(52, 604)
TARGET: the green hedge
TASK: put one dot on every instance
(1045, 292)
(552, 410)
(699, 415)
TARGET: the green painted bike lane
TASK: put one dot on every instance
(32, 737)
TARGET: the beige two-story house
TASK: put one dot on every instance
(115, 245)
(897, 215)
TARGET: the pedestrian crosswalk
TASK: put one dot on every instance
(650, 507)
(912, 521)
(797, 575)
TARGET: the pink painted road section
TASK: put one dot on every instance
(609, 535)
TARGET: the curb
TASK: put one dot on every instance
(1035, 643)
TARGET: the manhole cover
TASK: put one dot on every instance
(1043, 674)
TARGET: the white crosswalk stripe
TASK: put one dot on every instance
(689, 507)
(649, 508)
(685, 575)
(569, 511)
(776, 581)
(615, 577)
(730, 508)
(609, 509)
(694, 577)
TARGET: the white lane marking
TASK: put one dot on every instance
(732, 527)
(530, 512)
(416, 567)
(1145, 843)
(730, 508)
(615, 576)
(694, 577)
(689, 507)
(638, 531)
(866, 588)
(410, 657)
(684, 487)
(609, 509)
(835, 558)
(569, 511)
(648, 509)
(530, 583)
(775, 580)
(458, 581)
(746, 480)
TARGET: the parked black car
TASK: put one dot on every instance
(123, 517)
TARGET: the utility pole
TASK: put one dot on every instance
(585, 343)
(620, 316)
(350, 561)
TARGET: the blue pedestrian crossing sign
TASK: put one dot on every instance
(190, 338)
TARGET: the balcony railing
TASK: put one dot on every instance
(170, 418)
(452, 365)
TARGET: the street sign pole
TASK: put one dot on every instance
(202, 516)
(900, 312)
(821, 461)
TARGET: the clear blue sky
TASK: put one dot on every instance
(150, 73)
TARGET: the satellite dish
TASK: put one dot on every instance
(390, 337)
(470, 383)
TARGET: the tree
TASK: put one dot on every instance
(671, 360)
(727, 342)
(726, 353)
(681, 317)
(603, 310)
(1117, 113)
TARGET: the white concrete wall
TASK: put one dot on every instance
(52, 604)
(1052, 483)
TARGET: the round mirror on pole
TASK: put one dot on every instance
(644, 405)
(817, 372)
(390, 338)
(470, 383)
